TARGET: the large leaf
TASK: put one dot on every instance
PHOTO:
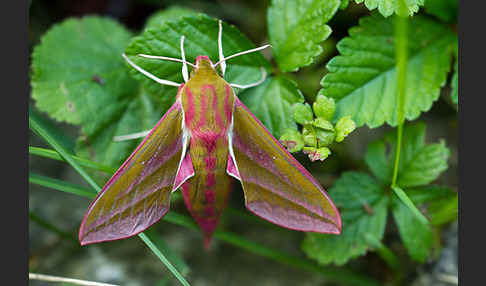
(388, 7)
(78, 73)
(272, 103)
(80, 77)
(162, 38)
(363, 207)
(442, 202)
(363, 77)
(296, 28)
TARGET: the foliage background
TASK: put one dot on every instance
(55, 216)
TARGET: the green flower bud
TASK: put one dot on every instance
(344, 126)
(324, 107)
(317, 153)
(323, 124)
(292, 139)
(303, 113)
(309, 134)
(324, 137)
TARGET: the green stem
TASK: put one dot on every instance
(401, 47)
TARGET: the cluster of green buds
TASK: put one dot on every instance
(317, 133)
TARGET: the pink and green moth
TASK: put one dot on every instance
(207, 137)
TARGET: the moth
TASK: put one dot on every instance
(204, 141)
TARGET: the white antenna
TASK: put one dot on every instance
(240, 54)
(185, 74)
(161, 81)
(220, 48)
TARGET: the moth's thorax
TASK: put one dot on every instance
(207, 100)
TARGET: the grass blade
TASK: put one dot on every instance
(408, 202)
(61, 185)
(51, 154)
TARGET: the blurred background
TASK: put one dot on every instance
(55, 216)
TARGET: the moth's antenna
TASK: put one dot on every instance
(220, 48)
(166, 59)
(240, 54)
(264, 75)
(161, 81)
(185, 74)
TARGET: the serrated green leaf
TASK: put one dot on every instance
(303, 113)
(388, 7)
(80, 77)
(420, 163)
(78, 73)
(172, 13)
(296, 28)
(272, 103)
(325, 137)
(201, 38)
(363, 78)
(363, 207)
(416, 234)
(446, 10)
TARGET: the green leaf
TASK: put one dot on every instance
(201, 38)
(446, 10)
(415, 233)
(80, 77)
(420, 163)
(442, 202)
(172, 13)
(303, 113)
(272, 103)
(315, 154)
(323, 124)
(388, 7)
(78, 73)
(379, 163)
(296, 28)
(409, 204)
(363, 207)
(363, 78)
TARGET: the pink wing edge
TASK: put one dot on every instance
(182, 166)
(232, 170)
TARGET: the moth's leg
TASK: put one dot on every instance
(151, 76)
(185, 73)
(264, 75)
(131, 136)
(220, 48)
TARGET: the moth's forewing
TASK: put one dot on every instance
(138, 194)
(276, 186)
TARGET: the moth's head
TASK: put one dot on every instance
(204, 65)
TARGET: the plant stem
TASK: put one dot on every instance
(401, 48)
